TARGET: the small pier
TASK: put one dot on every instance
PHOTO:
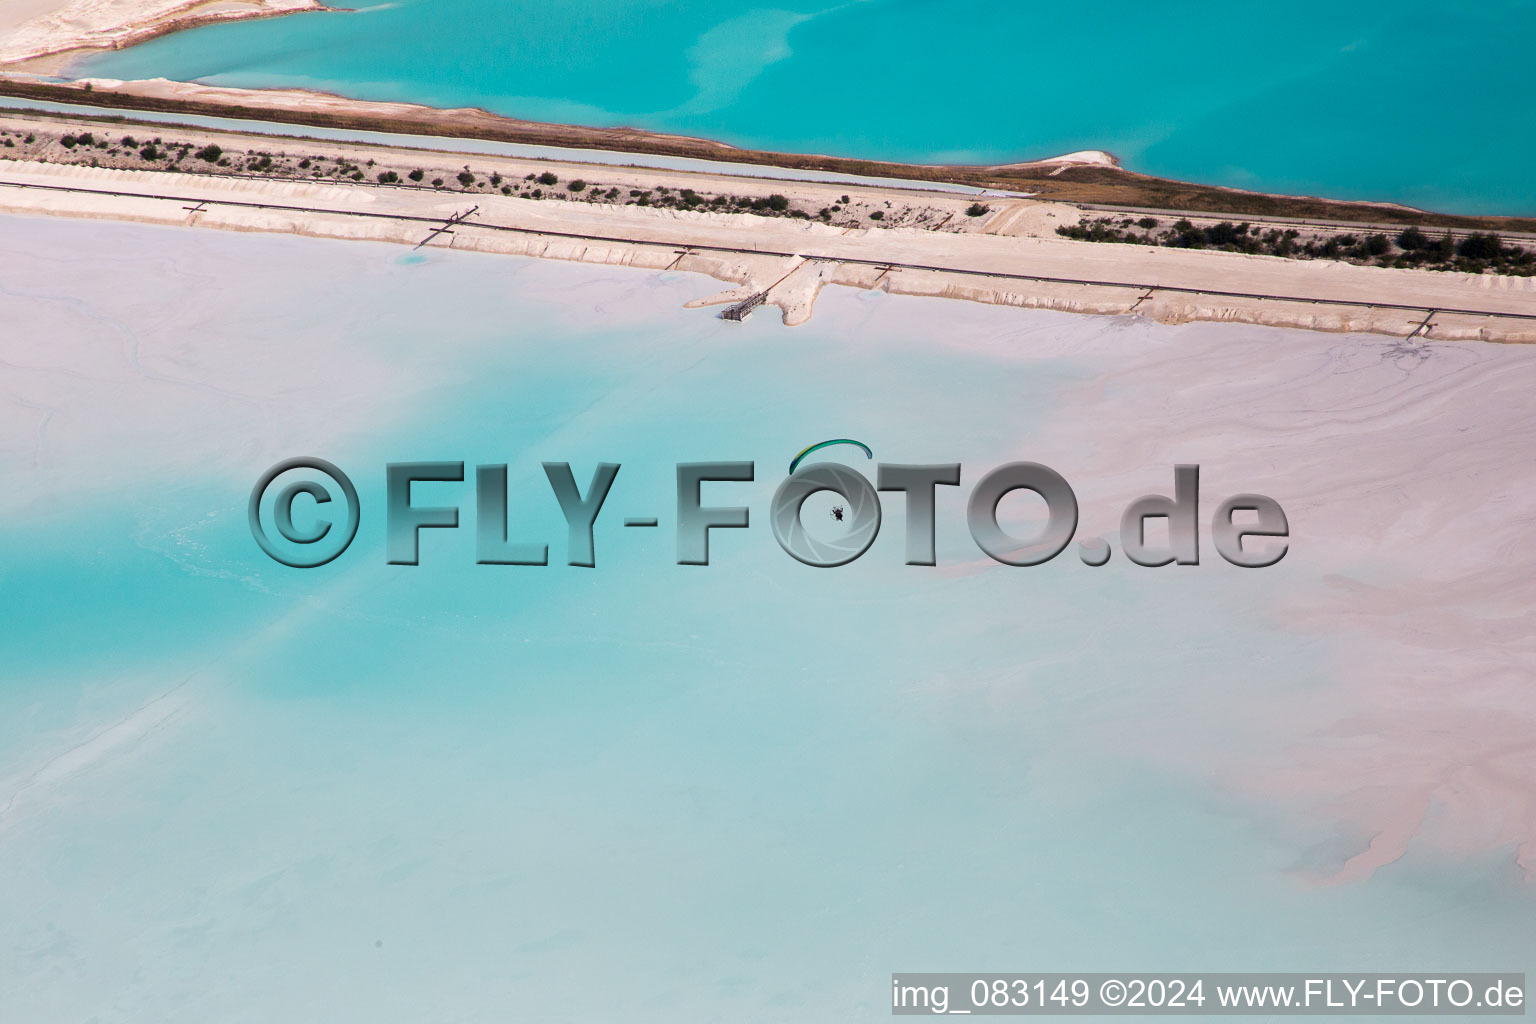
(739, 311)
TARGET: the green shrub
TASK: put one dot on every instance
(977, 210)
(877, 215)
(548, 179)
(417, 174)
(1480, 247)
(1225, 233)
(466, 179)
(210, 153)
(388, 177)
(577, 186)
(68, 142)
(778, 203)
(1187, 236)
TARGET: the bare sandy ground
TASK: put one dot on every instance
(792, 260)
(33, 29)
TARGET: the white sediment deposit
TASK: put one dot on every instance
(1405, 471)
(1081, 158)
(30, 29)
(1403, 467)
(226, 783)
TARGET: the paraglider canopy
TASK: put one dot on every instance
(823, 444)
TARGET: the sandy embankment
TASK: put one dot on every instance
(34, 30)
(761, 254)
(313, 101)
(467, 121)
(464, 120)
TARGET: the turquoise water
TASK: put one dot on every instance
(1420, 102)
(643, 792)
